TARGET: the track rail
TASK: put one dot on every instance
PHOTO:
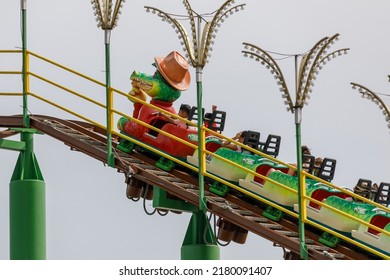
(91, 140)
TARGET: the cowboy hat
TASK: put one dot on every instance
(174, 69)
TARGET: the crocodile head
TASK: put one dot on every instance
(154, 85)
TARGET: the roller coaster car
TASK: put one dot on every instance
(215, 120)
(160, 141)
(243, 158)
(286, 196)
(380, 219)
(346, 204)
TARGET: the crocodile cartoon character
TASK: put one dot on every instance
(164, 86)
(172, 76)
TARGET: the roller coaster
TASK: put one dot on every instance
(238, 187)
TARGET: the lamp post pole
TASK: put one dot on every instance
(309, 67)
(23, 4)
(107, 15)
(197, 49)
(374, 97)
(27, 188)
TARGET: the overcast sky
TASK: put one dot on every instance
(88, 214)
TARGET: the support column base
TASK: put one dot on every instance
(200, 252)
(27, 220)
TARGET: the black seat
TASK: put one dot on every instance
(252, 139)
(272, 145)
(327, 169)
(383, 194)
(363, 188)
(217, 121)
(308, 163)
(193, 116)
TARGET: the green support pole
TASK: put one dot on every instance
(26, 119)
(27, 206)
(199, 242)
(27, 189)
(303, 246)
(202, 201)
(110, 155)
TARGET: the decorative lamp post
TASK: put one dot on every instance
(310, 65)
(27, 204)
(370, 95)
(197, 49)
(107, 15)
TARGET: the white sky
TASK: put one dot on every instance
(88, 214)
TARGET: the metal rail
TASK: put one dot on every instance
(91, 140)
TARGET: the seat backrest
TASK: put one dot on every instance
(363, 188)
(272, 145)
(308, 163)
(383, 194)
(327, 169)
(193, 116)
(217, 121)
(252, 139)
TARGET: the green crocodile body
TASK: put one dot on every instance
(155, 86)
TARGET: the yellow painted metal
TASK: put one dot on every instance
(112, 111)
(67, 110)
(155, 129)
(67, 69)
(67, 89)
(110, 103)
(10, 72)
(302, 205)
(350, 240)
(10, 51)
(11, 94)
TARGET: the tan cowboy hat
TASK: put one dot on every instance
(174, 69)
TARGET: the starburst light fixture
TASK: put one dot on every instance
(199, 45)
(370, 95)
(305, 75)
(311, 63)
(107, 13)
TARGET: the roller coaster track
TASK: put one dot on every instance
(91, 140)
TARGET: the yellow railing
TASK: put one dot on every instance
(113, 111)
(11, 72)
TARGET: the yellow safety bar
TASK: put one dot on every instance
(109, 127)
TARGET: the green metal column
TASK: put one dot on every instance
(27, 188)
(110, 155)
(27, 206)
(202, 201)
(303, 246)
(23, 6)
(199, 242)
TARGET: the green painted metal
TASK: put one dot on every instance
(273, 213)
(26, 119)
(219, 189)
(199, 242)
(161, 199)
(27, 206)
(27, 220)
(110, 154)
(302, 245)
(202, 200)
(329, 239)
(165, 164)
(12, 145)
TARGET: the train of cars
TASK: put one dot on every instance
(270, 179)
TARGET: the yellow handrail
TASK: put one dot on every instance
(67, 89)
(110, 129)
(67, 69)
